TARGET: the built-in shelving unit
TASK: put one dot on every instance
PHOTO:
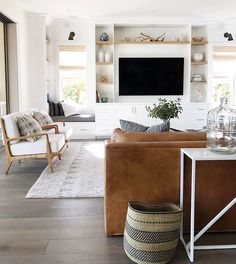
(204, 42)
(199, 62)
(104, 64)
(99, 42)
(198, 89)
(152, 42)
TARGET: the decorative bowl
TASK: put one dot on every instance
(198, 56)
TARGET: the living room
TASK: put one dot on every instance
(95, 79)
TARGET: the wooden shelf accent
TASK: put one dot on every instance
(204, 82)
(152, 42)
(104, 83)
(199, 62)
(199, 42)
(104, 63)
(99, 42)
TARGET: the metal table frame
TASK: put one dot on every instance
(200, 154)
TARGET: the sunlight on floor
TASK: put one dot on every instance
(97, 149)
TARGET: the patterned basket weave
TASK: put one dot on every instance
(152, 232)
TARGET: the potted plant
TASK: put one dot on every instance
(165, 110)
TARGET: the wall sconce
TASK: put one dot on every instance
(71, 36)
(229, 36)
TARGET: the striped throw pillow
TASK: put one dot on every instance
(28, 126)
(129, 126)
(42, 118)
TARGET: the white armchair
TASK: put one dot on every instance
(49, 145)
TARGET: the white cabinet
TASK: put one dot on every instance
(82, 130)
(194, 116)
(197, 115)
(125, 112)
(104, 116)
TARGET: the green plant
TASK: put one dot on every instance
(166, 109)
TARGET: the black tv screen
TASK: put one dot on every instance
(151, 76)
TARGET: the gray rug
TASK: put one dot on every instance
(78, 174)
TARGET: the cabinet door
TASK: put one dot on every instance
(181, 123)
(142, 116)
(125, 112)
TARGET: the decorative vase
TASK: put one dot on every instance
(221, 129)
(104, 36)
(152, 232)
(107, 56)
(101, 57)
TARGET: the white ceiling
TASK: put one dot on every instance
(89, 9)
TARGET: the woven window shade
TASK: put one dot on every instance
(224, 53)
(72, 48)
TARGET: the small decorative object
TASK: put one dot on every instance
(98, 99)
(199, 56)
(182, 37)
(104, 78)
(198, 94)
(145, 37)
(221, 128)
(71, 36)
(101, 57)
(107, 56)
(198, 39)
(197, 78)
(104, 99)
(165, 110)
(228, 36)
(152, 232)
(104, 36)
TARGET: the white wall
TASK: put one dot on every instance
(37, 61)
(84, 35)
(12, 10)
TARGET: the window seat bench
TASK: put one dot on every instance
(83, 125)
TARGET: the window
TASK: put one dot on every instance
(72, 65)
(224, 73)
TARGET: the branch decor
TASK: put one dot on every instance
(166, 109)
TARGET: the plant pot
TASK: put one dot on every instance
(152, 232)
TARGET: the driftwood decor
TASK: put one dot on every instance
(145, 37)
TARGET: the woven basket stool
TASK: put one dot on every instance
(152, 232)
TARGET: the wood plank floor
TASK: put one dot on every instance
(70, 231)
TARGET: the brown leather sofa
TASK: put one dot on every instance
(146, 167)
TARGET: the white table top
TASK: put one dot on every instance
(205, 154)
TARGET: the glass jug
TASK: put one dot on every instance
(221, 128)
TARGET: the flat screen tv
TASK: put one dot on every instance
(151, 76)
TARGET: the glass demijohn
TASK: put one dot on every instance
(221, 129)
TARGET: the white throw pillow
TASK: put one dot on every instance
(70, 108)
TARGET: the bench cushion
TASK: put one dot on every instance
(75, 118)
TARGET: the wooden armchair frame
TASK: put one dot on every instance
(57, 131)
(49, 155)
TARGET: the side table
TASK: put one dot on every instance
(200, 154)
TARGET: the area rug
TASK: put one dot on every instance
(78, 174)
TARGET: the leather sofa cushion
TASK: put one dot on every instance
(121, 136)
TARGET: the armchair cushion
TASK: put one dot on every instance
(67, 131)
(57, 141)
(11, 127)
(42, 118)
(28, 126)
